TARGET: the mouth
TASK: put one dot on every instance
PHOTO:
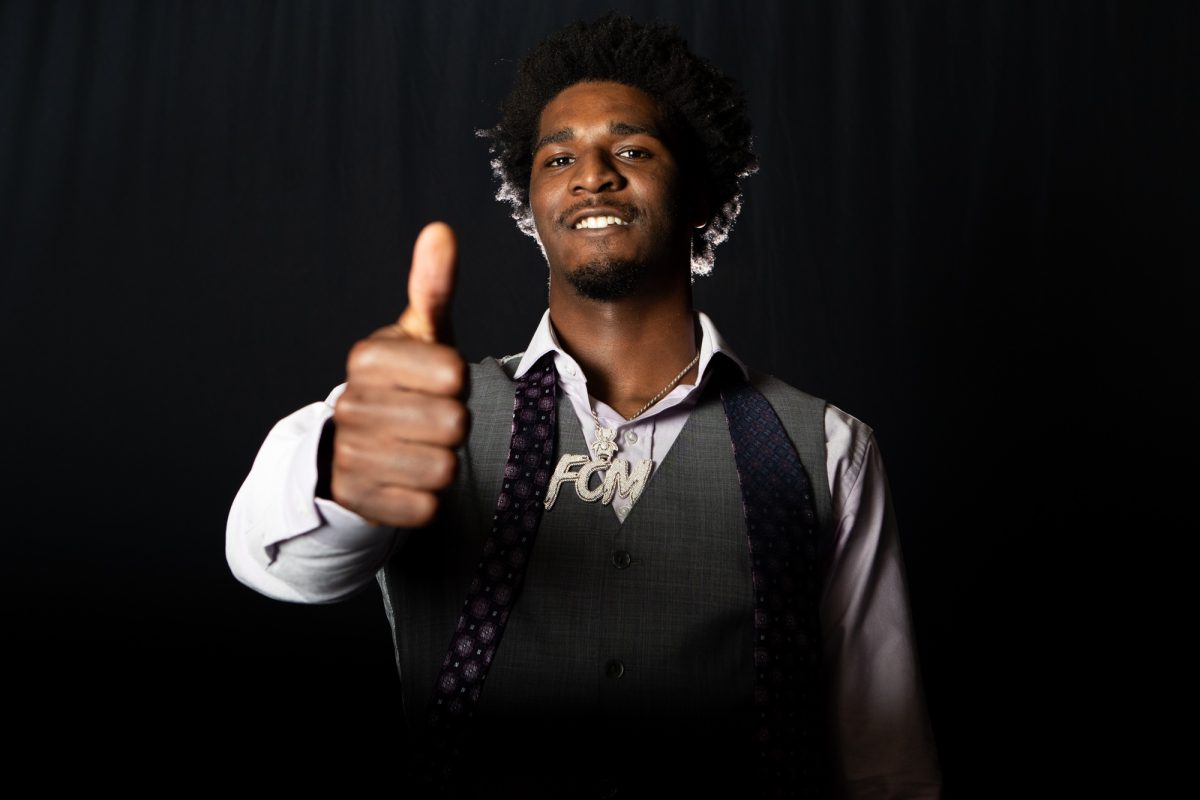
(599, 218)
(595, 223)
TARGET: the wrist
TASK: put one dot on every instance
(324, 485)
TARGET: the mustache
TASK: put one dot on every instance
(628, 213)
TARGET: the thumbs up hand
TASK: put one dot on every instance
(401, 416)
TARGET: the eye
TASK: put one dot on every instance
(633, 152)
(559, 161)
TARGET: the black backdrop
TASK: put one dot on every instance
(971, 229)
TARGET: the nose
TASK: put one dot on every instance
(596, 171)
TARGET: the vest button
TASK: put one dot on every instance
(615, 668)
(621, 559)
(605, 789)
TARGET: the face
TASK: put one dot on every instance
(606, 191)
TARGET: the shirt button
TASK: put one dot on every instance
(571, 369)
(621, 559)
(615, 668)
(631, 437)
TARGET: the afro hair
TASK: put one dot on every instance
(703, 109)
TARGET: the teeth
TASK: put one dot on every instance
(599, 222)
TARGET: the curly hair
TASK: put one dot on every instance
(702, 108)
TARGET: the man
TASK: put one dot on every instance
(666, 569)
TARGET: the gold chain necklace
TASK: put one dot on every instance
(666, 389)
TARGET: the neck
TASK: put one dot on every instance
(629, 349)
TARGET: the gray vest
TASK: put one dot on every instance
(644, 626)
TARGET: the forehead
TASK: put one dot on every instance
(598, 103)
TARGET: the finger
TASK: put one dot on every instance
(431, 284)
(388, 416)
(409, 465)
(395, 506)
(389, 363)
(403, 508)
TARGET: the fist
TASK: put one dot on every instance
(401, 417)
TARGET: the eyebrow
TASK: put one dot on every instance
(618, 128)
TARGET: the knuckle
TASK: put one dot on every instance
(364, 355)
(422, 508)
(456, 420)
(451, 370)
(391, 331)
(442, 466)
(345, 409)
(344, 460)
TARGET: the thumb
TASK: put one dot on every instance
(431, 284)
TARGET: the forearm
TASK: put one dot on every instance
(884, 743)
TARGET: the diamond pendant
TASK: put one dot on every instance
(618, 480)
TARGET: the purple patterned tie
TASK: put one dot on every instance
(781, 523)
(501, 570)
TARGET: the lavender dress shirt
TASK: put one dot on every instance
(287, 544)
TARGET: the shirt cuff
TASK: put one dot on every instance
(302, 512)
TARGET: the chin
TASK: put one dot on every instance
(606, 279)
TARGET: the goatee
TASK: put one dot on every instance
(607, 278)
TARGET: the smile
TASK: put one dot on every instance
(599, 222)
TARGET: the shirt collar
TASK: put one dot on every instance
(545, 341)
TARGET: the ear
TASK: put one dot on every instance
(694, 204)
(698, 213)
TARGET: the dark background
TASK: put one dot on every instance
(973, 229)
